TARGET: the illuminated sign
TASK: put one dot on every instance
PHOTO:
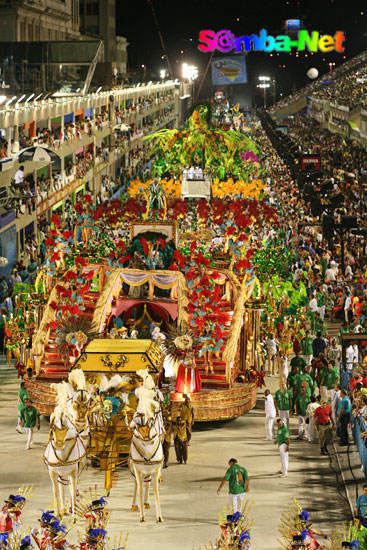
(225, 41)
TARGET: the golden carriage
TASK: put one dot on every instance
(110, 436)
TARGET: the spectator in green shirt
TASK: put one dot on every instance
(22, 396)
(283, 402)
(283, 438)
(329, 376)
(306, 345)
(238, 484)
(292, 386)
(321, 302)
(29, 417)
(298, 361)
(343, 329)
(305, 378)
(302, 402)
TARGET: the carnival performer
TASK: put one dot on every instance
(238, 484)
(54, 538)
(22, 396)
(308, 533)
(188, 377)
(97, 514)
(95, 539)
(180, 345)
(283, 438)
(180, 440)
(29, 417)
(167, 436)
(187, 414)
(25, 543)
(358, 532)
(41, 534)
(10, 516)
(156, 200)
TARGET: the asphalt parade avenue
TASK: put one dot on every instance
(188, 494)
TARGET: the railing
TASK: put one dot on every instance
(358, 424)
(358, 427)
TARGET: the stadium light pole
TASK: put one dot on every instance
(190, 73)
(264, 84)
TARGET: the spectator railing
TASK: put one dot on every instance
(358, 427)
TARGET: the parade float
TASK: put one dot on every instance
(136, 270)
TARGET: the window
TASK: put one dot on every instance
(92, 7)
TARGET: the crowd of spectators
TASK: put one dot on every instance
(345, 84)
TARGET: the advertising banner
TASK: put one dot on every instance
(311, 162)
(229, 70)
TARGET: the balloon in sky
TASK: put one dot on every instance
(312, 73)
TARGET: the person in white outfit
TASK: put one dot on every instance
(270, 414)
(335, 402)
(272, 352)
(311, 432)
(347, 307)
(312, 305)
(350, 356)
(283, 365)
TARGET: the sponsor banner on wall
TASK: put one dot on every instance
(229, 70)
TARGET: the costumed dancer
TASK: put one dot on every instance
(187, 414)
(95, 539)
(181, 344)
(10, 516)
(26, 543)
(180, 440)
(29, 418)
(236, 529)
(156, 201)
(54, 538)
(308, 533)
(167, 436)
(97, 514)
(22, 396)
(41, 534)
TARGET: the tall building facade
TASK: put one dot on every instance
(36, 20)
(64, 20)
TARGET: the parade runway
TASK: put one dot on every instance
(188, 493)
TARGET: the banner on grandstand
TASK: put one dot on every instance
(311, 162)
(229, 70)
(282, 129)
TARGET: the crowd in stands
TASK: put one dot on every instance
(345, 84)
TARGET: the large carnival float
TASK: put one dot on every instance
(135, 271)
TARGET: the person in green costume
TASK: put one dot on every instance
(302, 402)
(292, 386)
(329, 376)
(358, 532)
(305, 379)
(22, 396)
(306, 346)
(298, 361)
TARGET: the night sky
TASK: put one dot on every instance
(180, 22)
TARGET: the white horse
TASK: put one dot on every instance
(146, 456)
(74, 399)
(148, 390)
(78, 408)
(64, 455)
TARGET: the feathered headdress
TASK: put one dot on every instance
(180, 340)
(86, 503)
(77, 377)
(74, 325)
